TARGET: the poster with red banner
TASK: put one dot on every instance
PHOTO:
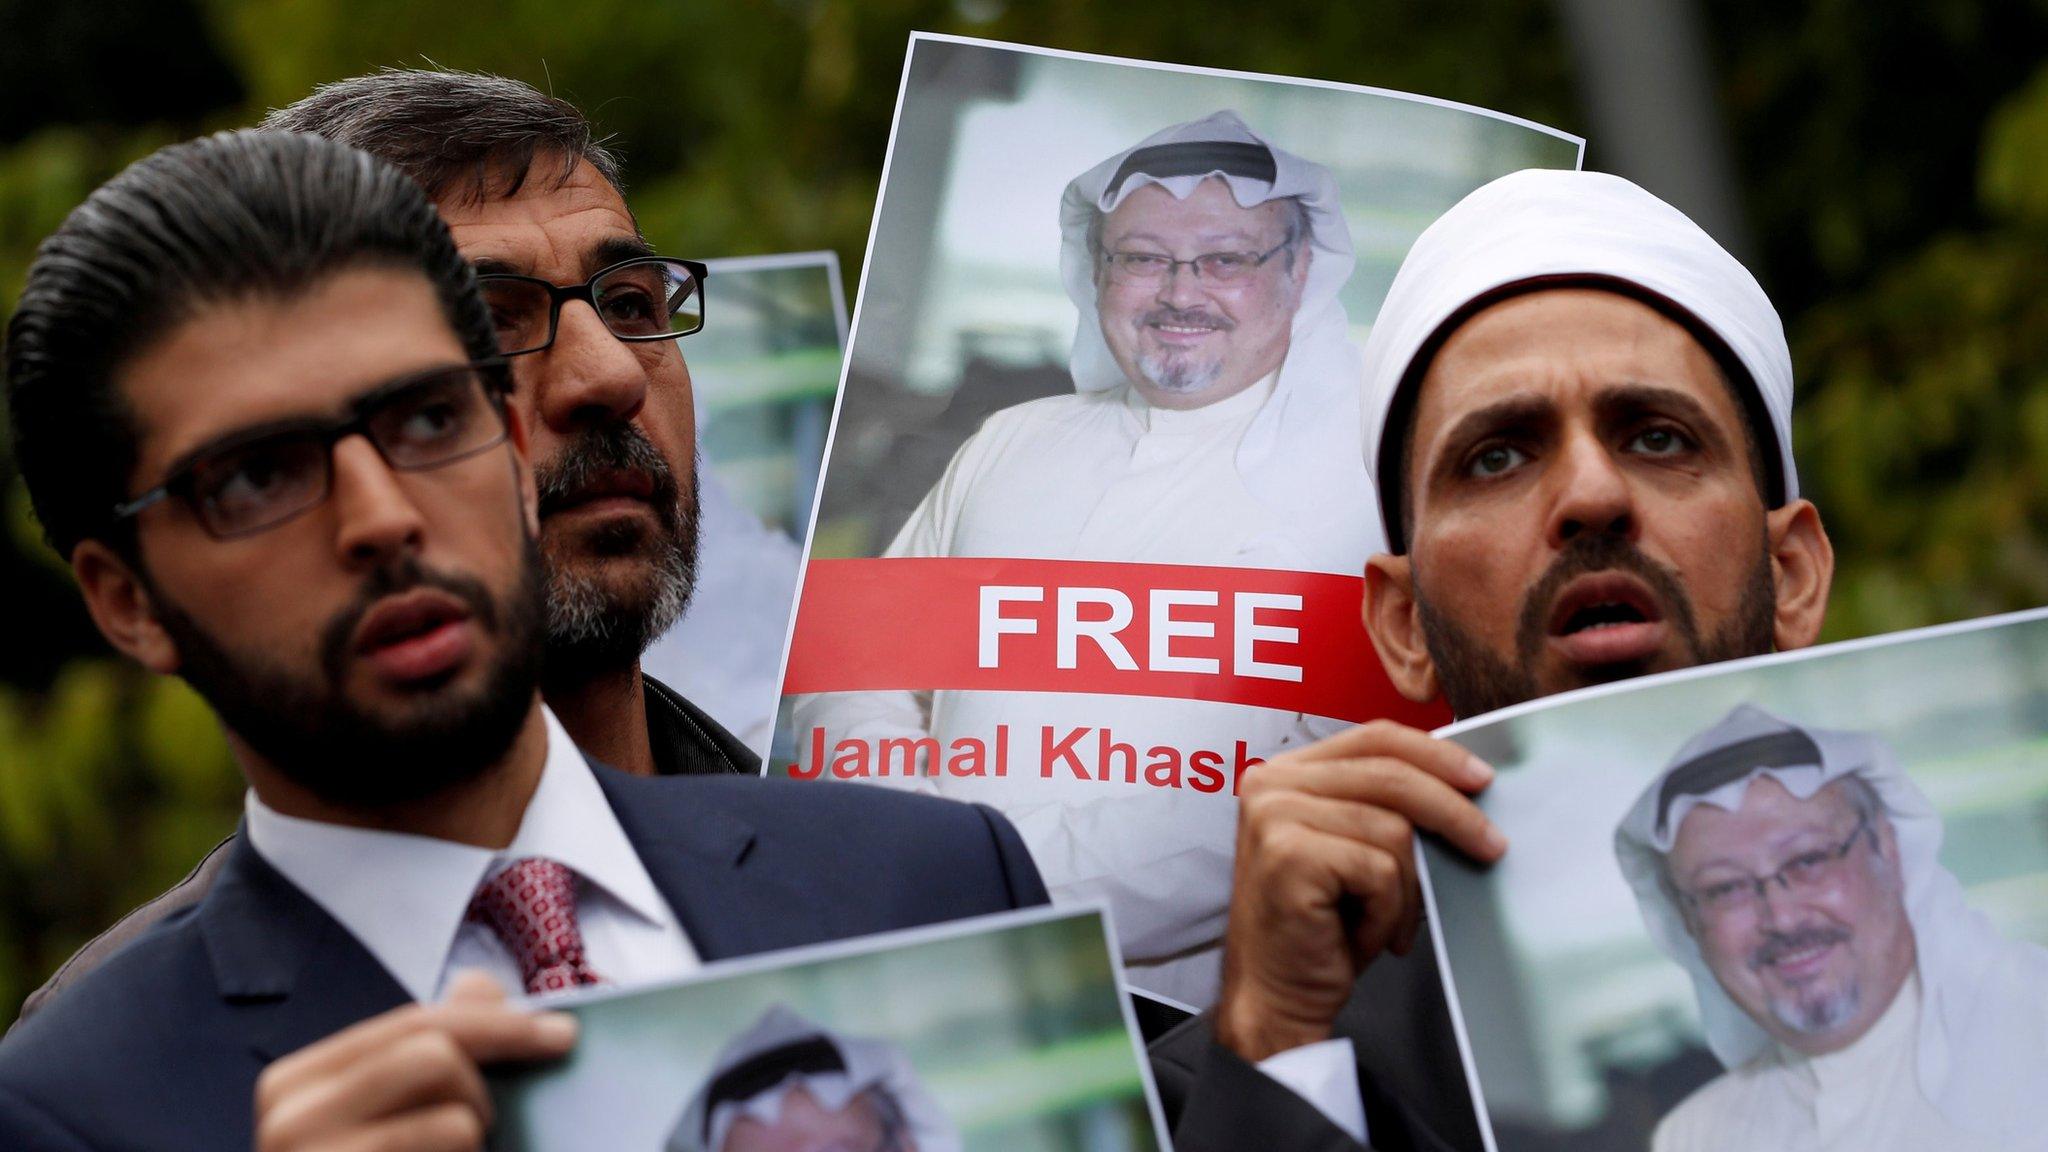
(1094, 514)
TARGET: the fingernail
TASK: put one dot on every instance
(555, 1027)
(1481, 771)
(1496, 840)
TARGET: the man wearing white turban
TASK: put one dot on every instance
(1216, 403)
(1855, 999)
(788, 1085)
(1578, 416)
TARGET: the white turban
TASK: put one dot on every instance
(1306, 429)
(782, 1052)
(1981, 996)
(1542, 225)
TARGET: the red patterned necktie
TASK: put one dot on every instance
(532, 907)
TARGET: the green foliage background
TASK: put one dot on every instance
(1893, 156)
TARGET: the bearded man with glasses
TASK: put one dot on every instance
(1852, 996)
(588, 317)
(257, 403)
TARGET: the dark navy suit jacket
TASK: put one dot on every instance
(160, 1048)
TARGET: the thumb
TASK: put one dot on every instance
(474, 986)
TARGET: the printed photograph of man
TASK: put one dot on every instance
(1214, 383)
(257, 399)
(1855, 1000)
(1579, 420)
(788, 1085)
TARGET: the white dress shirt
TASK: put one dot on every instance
(404, 897)
(1326, 1075)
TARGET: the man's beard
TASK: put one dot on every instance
(1814, 1012)
(308, 728)
(1178, 372)
(594, 626)
(1475, 679)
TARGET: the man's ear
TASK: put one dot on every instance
(522, 468)
(122, 606)
(1393, 618)
(1802, 569)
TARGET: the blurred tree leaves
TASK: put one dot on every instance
(1925, 431)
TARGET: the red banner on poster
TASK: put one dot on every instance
(1274, 639)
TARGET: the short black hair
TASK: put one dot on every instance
(462, 135)
(1397, 437)
(232, 216)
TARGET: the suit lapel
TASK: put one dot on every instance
(704, 856)
(292, 974)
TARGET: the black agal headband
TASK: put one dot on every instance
(1198, 158)
(757, 1074)
(1710, 770)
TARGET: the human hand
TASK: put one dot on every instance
(1325, 879)
(407, 1079)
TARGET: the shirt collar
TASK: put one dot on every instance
(403, 896)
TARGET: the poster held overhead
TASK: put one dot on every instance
(1095, 506)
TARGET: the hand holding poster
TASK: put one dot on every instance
(1095, 508)
(1794, 902)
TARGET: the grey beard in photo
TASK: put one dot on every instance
(1177, 372)
(1475, 680)
(1823, 1010)
(594, 626)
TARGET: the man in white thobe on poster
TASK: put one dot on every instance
(1855, 999)
(1214, 421)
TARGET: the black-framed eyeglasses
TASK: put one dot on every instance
(1801, 873)
(260, 477)
(645, 298)
(1215, 267)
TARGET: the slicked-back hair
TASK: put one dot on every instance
(465, 136)
(235, 216)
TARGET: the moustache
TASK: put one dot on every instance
(600, 454)
(1600, 553)
(1777, 945)
(400, 575)
(1189, 318)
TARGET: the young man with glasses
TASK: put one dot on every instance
(589, 317)
(1853, 997)
(257, 403)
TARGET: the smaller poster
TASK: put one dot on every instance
(764, 372)
(1002, 1032)
(1795, 902)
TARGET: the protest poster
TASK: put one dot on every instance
(1002, 1032)
(763, 374)
(1094, 512)
(1796, 901)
